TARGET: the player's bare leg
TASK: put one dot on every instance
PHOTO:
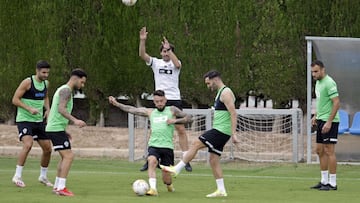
(152, 162)
(45, 160)
(64, 166)
(183, 142)
(27, 141)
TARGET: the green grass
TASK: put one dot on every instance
(104, 180)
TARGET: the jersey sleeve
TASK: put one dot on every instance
(151, 62)
(332, 90)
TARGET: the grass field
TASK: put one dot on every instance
(104, 180)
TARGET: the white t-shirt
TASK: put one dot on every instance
(166, 77)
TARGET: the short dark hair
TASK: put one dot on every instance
(172, 47)
(79, 73)
(159, 93)
(42, 64)
(318, 63)
(212, 74)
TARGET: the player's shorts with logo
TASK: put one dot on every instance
(60, 140)
(35, 129)
(214, 140)
(330, 137)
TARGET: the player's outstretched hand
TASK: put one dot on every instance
(112, 100)
(143, 33)
(165, 43)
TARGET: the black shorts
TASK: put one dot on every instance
(214, 140)
(176, 103)
(330, 137)
(60, 140)
(34, 129)
(165, 156)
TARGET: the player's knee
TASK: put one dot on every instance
(27, 147)
(197, 144)
(152, 161)
(319, 150)
(68, 156)
(47, 150)
(329, 150)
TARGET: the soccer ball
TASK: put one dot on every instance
(140, 187)
(129, 2)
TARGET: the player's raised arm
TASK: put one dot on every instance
(130, 109)
(171, 53)
(142, 45)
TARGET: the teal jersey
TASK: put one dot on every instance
(34, 97)
(222, 118)
(56, 121)
(325, 90)
(161, 133)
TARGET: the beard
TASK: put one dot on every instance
(160, 109)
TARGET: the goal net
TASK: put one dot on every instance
(266, 135)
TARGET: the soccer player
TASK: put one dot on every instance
(326, 120)
(166, 74)
(161, 146)
(59, 117)
(224, 127)
(31, 99)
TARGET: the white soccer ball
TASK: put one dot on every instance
(129, 2)
(140, 187)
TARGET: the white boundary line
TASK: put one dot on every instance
(291, 178)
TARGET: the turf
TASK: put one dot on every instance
(106, 181)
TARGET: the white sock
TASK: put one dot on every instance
(56, 184)
(332, 179)
(220, 185)
(18, 171)
(43, 171)
(179, 166)
(62, 183)
(152, 183)
(324, 177)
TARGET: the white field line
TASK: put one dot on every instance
(290, 178)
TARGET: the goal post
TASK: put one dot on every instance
(266, 135)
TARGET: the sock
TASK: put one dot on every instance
(178, 167)
(43, 171)
(56, 184)
(62, 183)
(324, 177)
(220, 185)
(332, 180)
(18, 171)
(152, 183)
